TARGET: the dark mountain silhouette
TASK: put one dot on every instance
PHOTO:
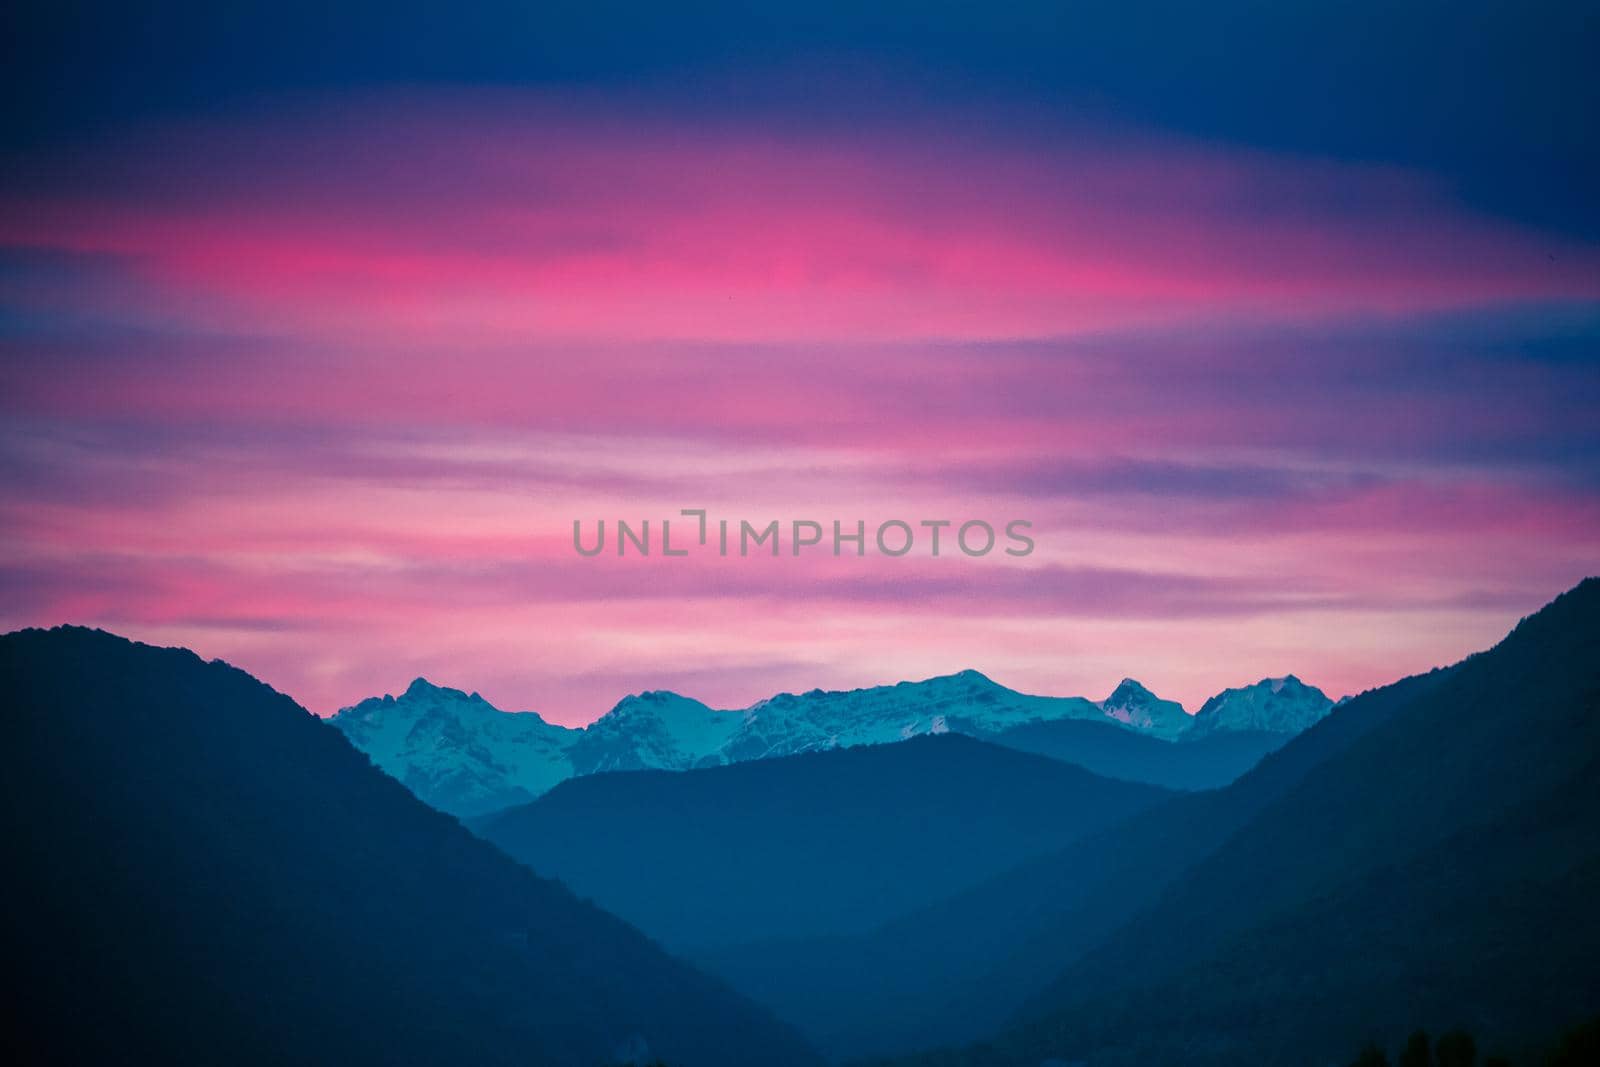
(1115, 752)
(960, 968)
(199, 871)
(807, 845)
(1442, 870)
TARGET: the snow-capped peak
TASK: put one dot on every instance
(456, 750)
(655, 729)
(460, 753)
(1283, 705)
(420, 686)
(1129, 689)
(1134, 705)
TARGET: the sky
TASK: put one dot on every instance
(1280, 325)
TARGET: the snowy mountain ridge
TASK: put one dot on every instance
(459, 753)
(1274, 705)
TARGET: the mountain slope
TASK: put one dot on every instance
(965, 703)
(457, 751)
(1202, 763)
(202, 872)
(1273, 705)
(1440, 870)
(1133, 705)
(808, 845)
(656, 730)
(958, 969)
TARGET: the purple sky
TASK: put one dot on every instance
(318, 382)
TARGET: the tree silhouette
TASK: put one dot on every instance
(1371, 1056)
(1579, 1047)
(1456, 1049)
(1418, 1053)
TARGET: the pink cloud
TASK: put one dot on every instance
(323, 393)
(490, 221)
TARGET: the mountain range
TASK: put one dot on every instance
(1427, 855)
(201, 871)
(462, 755)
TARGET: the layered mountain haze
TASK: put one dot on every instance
(812, 845)
(206, 872)
(960, 968)
(1427, 855)
(462, 755)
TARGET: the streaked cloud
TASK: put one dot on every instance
(322, 390)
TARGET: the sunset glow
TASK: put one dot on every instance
(320, 389)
